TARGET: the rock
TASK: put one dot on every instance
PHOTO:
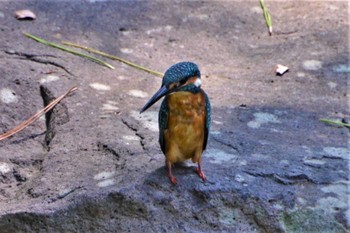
(271, 165)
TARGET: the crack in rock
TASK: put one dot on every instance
(221, 141)
(56, 116)
(106, 148)
(116, 151)
(133, 128)
(35, 58)
(285, 179)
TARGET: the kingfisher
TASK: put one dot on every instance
(184, 116)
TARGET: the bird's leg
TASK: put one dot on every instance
(171, 177)
(200, 172)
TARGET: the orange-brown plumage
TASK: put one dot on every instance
(186, 122)
(185, 133)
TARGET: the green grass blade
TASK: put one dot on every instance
(68, 50)
(335, 122)
(267, 16)
(156, 73)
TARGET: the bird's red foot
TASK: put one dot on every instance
(172, 179)
(201, 174)
(170, 174)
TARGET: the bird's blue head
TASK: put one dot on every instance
(176, 77)
(180, 72)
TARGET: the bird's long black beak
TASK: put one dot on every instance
(159, 94)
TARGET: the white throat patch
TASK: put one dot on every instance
(198, 82)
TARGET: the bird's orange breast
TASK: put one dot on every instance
(184, 135)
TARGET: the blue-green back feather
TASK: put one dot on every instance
(163, 122)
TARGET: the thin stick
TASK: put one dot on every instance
(156, 73)
(35, 117)
(335, 122)
(69, 50)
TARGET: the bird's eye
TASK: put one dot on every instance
(183, 81)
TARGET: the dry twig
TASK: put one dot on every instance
(35, 117)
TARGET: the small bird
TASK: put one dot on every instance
(184, 116)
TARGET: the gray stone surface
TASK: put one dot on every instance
(271, 165)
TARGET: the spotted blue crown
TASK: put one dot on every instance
(180, 71)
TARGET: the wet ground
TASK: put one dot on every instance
(271, 165)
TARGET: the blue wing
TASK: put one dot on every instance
(163, 122)
(208, 119)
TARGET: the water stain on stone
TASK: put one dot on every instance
(219, 156)
(262, 118)
(105, 178)
(8, 96)
(312, 65)
(337, 152)
(106, 183)
(100, 86)
(138, 93)
(149, 119)
(49, 78)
